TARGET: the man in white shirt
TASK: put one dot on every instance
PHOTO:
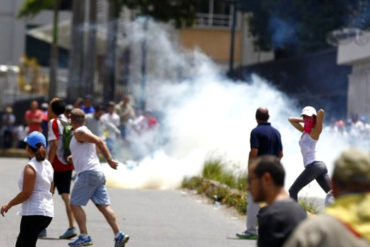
(112, 122)
(90, 183)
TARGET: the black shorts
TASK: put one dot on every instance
(62, 180)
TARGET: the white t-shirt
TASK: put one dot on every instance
(84, 154)
(55, 132)
(41, 200)
(308, 149)
(111, 122)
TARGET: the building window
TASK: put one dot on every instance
(213, 13)
(40, 50)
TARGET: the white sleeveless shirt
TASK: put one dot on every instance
(308, 149)
(84, 154)
(41, 200)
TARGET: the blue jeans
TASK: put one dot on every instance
(316, 170)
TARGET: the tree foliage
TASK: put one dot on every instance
(31, 8)
(181, 12)
(295, 27)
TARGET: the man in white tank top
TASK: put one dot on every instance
(88, 169)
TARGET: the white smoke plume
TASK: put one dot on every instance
(206, 115)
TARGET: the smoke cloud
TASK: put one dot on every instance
(206, 115)
(283, 32)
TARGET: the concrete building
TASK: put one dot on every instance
(356, 52)
(211, 34)
(14, 44)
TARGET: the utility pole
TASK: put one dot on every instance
(232, 38)
(143, 65)
(53, 65)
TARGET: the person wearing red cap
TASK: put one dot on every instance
(36, 188)
(310, 124)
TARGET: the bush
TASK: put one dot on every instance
(308, 206)
(220, 185)
(214, 170)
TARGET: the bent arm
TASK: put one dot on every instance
(52, 150)
(29, 178)
(296, 122)
(316, 131)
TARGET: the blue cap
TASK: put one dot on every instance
(35, 138)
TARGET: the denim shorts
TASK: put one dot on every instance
(90, 185)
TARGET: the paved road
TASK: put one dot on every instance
(152, 218)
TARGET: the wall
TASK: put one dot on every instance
(213, 42)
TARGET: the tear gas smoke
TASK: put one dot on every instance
(206, 115)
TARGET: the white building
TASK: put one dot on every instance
(356, 52)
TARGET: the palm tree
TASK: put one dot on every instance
(74, 88)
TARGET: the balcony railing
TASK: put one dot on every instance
(213, 20)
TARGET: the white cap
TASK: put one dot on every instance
(308, 111)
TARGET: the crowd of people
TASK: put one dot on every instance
(281, 222)
(354, 130)
(60, 139)
(117, 124)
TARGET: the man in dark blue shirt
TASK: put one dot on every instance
(264, 139)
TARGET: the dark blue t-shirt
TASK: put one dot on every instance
(266, 139)
(91, 109)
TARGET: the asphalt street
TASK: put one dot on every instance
(152, 218)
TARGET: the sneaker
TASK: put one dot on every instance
(121, 240)
(42, 234)
(70, 233)
(247, 235)
(81, 241)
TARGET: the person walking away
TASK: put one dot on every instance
(87, 106)
(36, 186)
(264, 139)
(111, 122)
(125, 111)
(94, 122)
(281, 215)
(346, 222)
(7, 130)
(314, 169)
(45, 119)
(67, 112)
(62, 168)
(90, 183)
(34, 117)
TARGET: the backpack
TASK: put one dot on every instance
(67, 137)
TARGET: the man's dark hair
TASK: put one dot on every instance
(270, 164)
(99, 108)
(262, 114)
(57, 106)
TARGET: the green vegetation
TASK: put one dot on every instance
(309, 206)
(214, 170)
(220, 185)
